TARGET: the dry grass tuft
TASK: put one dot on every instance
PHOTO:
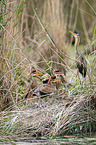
(54, 117)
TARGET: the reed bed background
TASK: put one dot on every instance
(26, 45)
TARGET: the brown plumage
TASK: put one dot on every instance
(28, 92)
(81, 61)
(33, 85)
(45, 76)
(47, 87)
(61, 76)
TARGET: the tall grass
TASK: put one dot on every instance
(24, 45)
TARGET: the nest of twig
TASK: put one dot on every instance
(54, 116)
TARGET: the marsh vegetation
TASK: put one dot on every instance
(35, 35)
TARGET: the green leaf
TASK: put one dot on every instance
(17, 7)
(45, 30)
(13, 54)
(90, 6)
(88, 14)
(94, 32)
(20, 10)
(21, 4)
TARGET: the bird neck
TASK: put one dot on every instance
(63, 78)
(76, 48)
(32, 79)
(76, 52)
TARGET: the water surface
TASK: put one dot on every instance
(68, 140)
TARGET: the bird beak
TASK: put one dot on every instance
(59, 73)
(34, 74)
(57, 80)
(38, 74)
(72, 33)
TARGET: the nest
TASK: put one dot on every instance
(52, 117)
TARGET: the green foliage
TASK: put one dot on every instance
(94, 33)
(19, 7)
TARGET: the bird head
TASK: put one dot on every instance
(53, 79)
(56, 72)
(45, 76)
(77, 38)
(34, 73)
